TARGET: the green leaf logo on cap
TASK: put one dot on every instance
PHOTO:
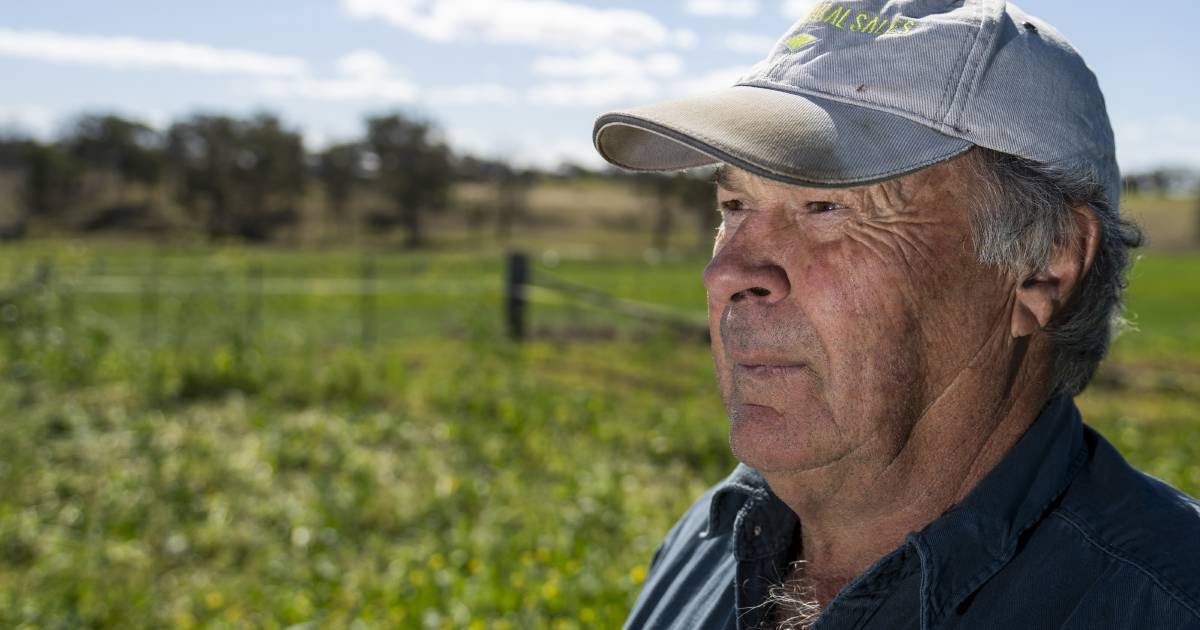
(800, 41)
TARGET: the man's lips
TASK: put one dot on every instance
(766, 369)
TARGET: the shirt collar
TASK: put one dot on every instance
(971, 542)
(731, 494)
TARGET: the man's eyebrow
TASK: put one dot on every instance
(727, 178)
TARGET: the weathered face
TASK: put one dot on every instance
(839, 315)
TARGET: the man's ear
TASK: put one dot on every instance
(1043, 294)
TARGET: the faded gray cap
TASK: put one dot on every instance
(864, 91)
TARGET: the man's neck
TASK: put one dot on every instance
(855, 511)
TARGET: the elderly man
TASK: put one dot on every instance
(919, 265)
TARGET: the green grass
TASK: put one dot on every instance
(181, 449)
(1164, 307)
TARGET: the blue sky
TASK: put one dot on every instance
(514, 78)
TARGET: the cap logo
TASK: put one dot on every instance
(846, 19)
(800, 41)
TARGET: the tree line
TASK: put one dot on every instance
(245, 178)
(230, 177)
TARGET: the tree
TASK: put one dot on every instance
(15, 155)
(1197, 202)
(340, 168)
(697, 194)
(52, 181)
(241, 177)
(512, 198)
(415, 169)
(272, 175)
(124, 150)
(690, 192)
(663, 188)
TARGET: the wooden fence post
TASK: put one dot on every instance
(367, 302)
(148, 311)
(1197, 213)
(254, 302)
(517, 278)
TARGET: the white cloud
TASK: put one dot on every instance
(721, 8)
(606, 63)
(366, 75)
(594, 92)
(471, 94)
(364, 64)
(392, 90)
(541, 23)
(626, 90)
(126, 53)
(603, 78)
(749, 43)
(363, 75)
(26, 120)
(684, 38)
(710, 81)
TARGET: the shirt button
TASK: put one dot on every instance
(758, 530)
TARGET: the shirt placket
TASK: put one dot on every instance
(760, 545)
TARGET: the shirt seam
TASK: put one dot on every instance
(998, 562)
(1079, 605)
(1169, 587)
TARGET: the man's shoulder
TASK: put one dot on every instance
(1145, 526)
(689, 584)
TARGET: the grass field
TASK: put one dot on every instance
(236, 438)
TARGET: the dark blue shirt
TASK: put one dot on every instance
(1063, 533)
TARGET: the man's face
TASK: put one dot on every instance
(838, 316)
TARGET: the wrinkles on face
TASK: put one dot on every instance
(910, 220)
(898, 240)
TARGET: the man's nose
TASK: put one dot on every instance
(736, 274)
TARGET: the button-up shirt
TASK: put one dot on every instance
(1063, 533)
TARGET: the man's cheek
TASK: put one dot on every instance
(845, 284)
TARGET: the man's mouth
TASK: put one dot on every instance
(766, 370)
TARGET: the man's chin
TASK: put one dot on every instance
(766, 440)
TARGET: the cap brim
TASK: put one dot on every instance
(791, 138)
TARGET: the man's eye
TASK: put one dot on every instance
(732, 205)
(818, 207)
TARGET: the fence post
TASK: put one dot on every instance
(45, 271)
(1197, 235)
(367, 304)
(254, 302)
(517, 278)
(149, 303)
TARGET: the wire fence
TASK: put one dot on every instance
(194, 308)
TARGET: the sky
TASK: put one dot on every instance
(515, 79)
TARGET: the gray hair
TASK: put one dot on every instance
(1022, 213)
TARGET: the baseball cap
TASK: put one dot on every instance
(863, 91)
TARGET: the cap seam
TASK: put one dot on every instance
(948, 113)
(946, 102)
(953, 116)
